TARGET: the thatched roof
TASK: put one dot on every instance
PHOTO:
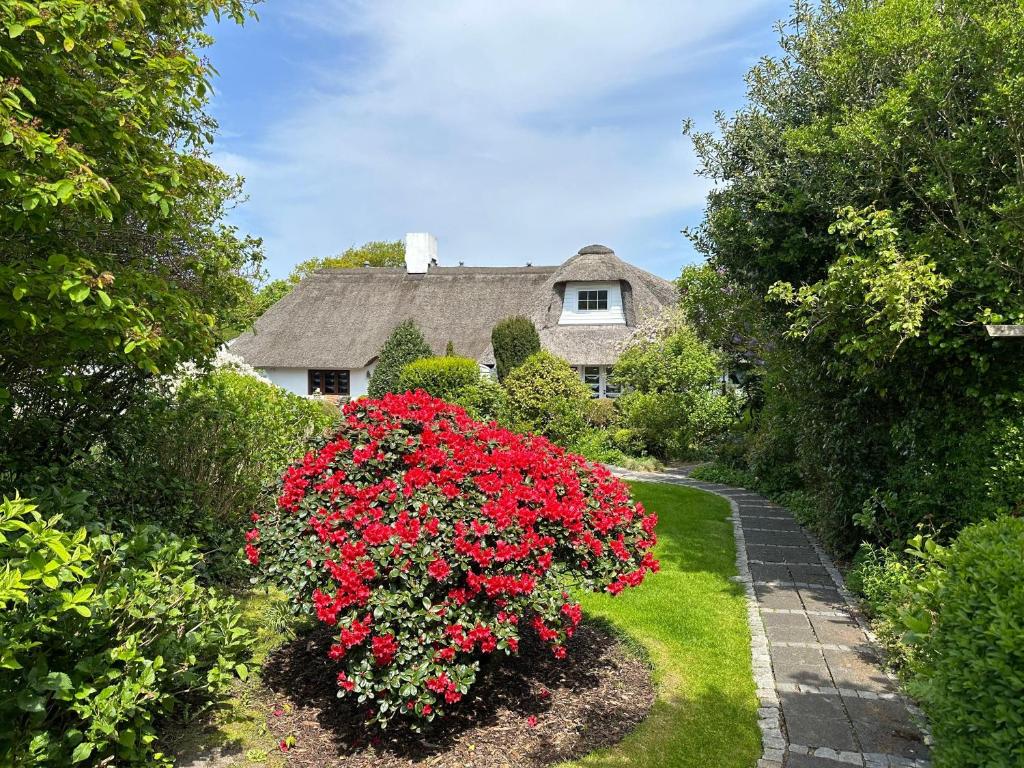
(340, 318)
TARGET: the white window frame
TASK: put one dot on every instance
(603, 374)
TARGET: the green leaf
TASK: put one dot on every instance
(69, 44)
(82, 610)
(104, 298)
(82, 752)
(79, 293)
(28, 702)
(14, 29)
(19, 292)
(242, 671)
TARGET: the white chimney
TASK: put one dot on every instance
(420, 252)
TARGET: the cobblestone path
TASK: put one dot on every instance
(825, 699)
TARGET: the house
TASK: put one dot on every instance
(326, 334)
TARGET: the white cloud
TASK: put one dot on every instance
(514, 131)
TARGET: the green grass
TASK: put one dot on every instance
(692, 622)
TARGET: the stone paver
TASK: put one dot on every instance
(825, 699)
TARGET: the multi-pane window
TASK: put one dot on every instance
(590, 300)
(599, 379)
(328, 382)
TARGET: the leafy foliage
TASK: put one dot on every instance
(969, 626)
(197, 459)
(486, 400)
(100, 635)
(404, 345)
(438, 540)
(547, 397)
(443, 377)
(116, 262)
(873, 180)
(513, 339)
(673, 395)
(376, 253)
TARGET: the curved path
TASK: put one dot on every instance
(825, 699)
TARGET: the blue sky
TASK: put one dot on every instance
(513, 131)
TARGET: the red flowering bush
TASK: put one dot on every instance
(429, 540)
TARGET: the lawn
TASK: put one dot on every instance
(689, 619)
(692, 621)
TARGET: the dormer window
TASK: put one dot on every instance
(592, 303)
(592, 300)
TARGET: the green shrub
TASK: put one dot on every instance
(672, 391)
(513, 339)
(969, 626)
(546, 396)
(676, 425)
(599, 445)
(443, 377)
(885, 579)
(628, 441)
(601, 412)
(719, 473)
(405, 344)
(197, 460)
(485, 401)
(100, 635)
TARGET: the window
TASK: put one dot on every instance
(588, 301)
(611, 389)
(592, 378)
(329, 382)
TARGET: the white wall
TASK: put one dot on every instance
(297, 380)
(614, 315)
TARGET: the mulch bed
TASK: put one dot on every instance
(589, 700)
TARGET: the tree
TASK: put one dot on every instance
(514, 339)
(376, 253)
(117, 264)
(404, 345)
(871, 191)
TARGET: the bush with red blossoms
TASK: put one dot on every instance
(428, 540)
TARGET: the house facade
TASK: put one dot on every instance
(326, 334)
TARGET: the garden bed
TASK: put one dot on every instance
(530, 711)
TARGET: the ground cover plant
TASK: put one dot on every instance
(438, 540)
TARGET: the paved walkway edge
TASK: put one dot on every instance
(773, 742)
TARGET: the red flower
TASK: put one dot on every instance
(532, 721)
(384, 649)
(439, 569)
(344, 682)
(252, 553)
